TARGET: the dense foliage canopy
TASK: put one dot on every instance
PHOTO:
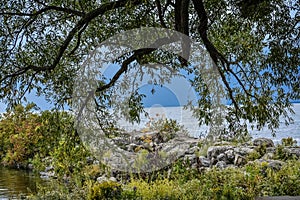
(254, 44)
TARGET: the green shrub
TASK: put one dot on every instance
(167, 128)
(288, 142)
(105, 190)
(19, 135)
(159, 189)
(59, 190)
(259, 152)
(249, 182)
(29, 137)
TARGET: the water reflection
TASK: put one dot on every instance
(15, 184)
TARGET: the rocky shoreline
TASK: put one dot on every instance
(197, 154)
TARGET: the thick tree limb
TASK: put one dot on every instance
(124, 67)
(182, 25)
(216, 56)
(138, 53)
(160, 13)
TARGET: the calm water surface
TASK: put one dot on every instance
(16, 183)
(185, 118)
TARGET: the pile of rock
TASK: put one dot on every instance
(220, 154)
(228, 155)
(48, 173)
(130, 147)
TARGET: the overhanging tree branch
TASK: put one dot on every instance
(137, 54)
(86, 19)
(216, 56)
(124, 67)
(160, 13)
(45, 9)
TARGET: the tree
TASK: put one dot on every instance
(254, 45)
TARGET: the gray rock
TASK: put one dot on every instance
(222, 157)
(152, 144)
(177, 147)
(270, 150)
(214, 151)
(121, 140)
(49, 168)
(221, 164)
(292, 151)
(239, 160)
(244, 151)
(96, 162)
(47, 175)
(204, 162)
(230, 155)
(150, 158)
(263, 141)
(102, 179)
(191, 158)
(193, 150)
(274, 164)
(30, 166)
(268, 156)
(213, 161)
(43, 173)
(113, 179)
(194, 166)
(89, 160)
(147, 146)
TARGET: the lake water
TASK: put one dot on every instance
(15, 184)
(185, 118)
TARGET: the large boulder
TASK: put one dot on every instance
(270, 150)
(239, 160)
(268, 156)
(192, 159)
(214, 151)
(273, 164)
(143, 154)
(221, 165)
(263, 141)
(292, 151)
(230, 155)
(244, 151)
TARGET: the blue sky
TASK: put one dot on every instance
(161, 96)
(169, 95)
(176, 93)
